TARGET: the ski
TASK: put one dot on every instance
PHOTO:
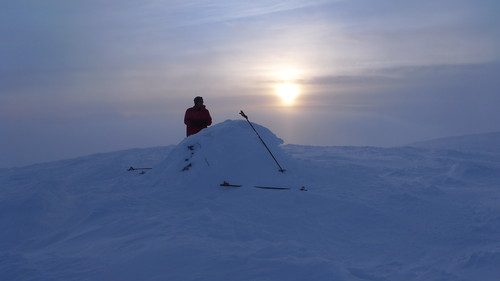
(227, 184)
(272, 187)
(135, 169)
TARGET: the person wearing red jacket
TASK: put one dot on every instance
(197, 117)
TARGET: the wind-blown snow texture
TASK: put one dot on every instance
(422, 212)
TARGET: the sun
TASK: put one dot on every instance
(288, 92)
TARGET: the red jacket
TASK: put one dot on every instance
(196, 119)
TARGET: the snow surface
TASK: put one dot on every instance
(428, 212)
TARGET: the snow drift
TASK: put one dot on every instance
(404, 213)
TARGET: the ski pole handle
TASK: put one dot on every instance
(243, 114)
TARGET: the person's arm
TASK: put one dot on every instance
(187, 118)
(209, 118)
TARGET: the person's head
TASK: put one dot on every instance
(198, 101)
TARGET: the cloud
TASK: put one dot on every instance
(441, 100)
(187, 13)
(413, 67)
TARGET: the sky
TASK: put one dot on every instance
(83, 77)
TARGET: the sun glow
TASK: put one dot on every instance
(287, 92)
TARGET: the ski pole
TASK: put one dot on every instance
(246, 117)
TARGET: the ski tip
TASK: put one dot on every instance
(131, 168)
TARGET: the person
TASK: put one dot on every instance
(197, 117)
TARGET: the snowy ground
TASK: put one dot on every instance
(423, 212)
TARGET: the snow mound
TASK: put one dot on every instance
(229, 151)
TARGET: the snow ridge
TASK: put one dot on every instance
(488, 143)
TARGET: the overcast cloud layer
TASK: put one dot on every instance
(80, 77)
